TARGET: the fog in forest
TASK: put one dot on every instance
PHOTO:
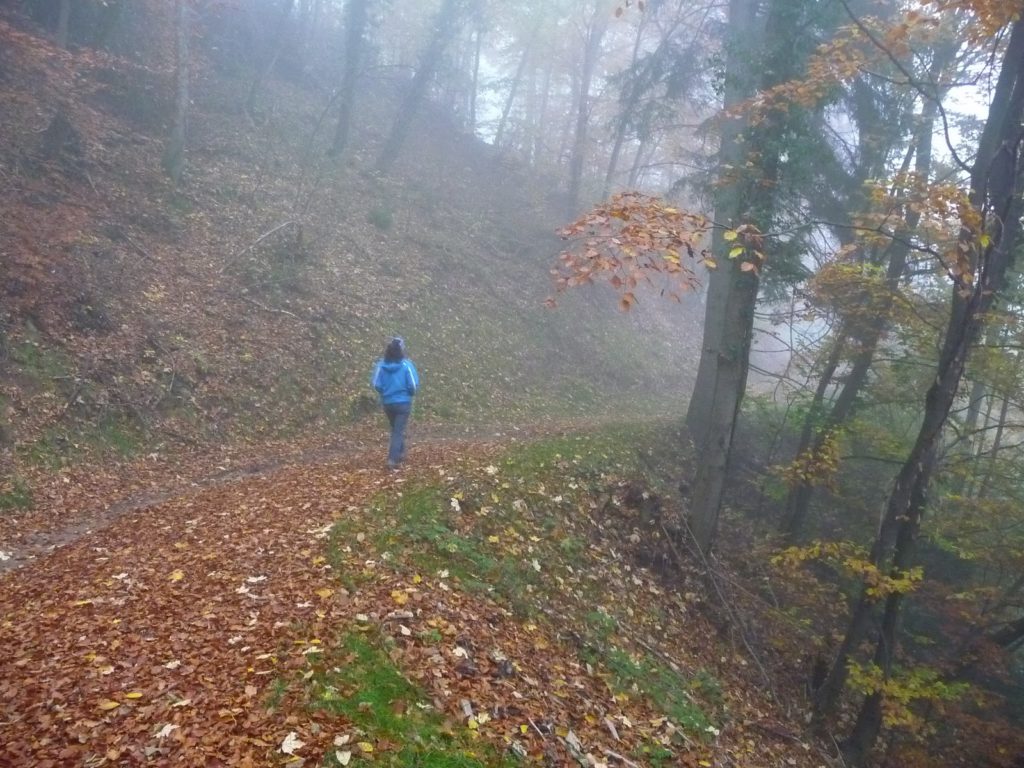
(500, 382)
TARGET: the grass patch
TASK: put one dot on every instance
(665, 688)
(370, 691)
(14, 495)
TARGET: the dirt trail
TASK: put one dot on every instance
(54, 524)
(175, 616)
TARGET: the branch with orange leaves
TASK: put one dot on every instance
(630, 240)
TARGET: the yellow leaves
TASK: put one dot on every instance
(493, 539)
(736, 251)
(365, 746)
(730, 235)
(177, 575)
(852, 560)
(400, 597)
(133, 695)
(324, 593)
(107, 705)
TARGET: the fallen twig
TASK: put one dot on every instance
(273, 310)
(538, 730)
(253, 244)
(621, 758)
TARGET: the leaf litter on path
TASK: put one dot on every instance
(111, 656)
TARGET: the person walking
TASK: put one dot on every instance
(396, 381)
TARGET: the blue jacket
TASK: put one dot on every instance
(395, 382)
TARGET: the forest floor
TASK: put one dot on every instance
(488, 604)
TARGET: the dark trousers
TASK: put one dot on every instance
(398, 417)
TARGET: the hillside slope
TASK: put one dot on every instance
(249, 303)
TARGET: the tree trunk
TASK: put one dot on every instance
(63, 20)
(591, 52)
(475, 87)
(739, 85)
(446, 27)
(281, 29)
(732, 292)
(542, 116)
(993, 452)
(174, 154)
(993, 192)
(356, 14)
(799, 501)
(513, 89)
(633, 92)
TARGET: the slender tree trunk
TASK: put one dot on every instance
(281, 30)
(475, 87)
(446, 27)
(356, 14)
(513, 89)
(591, 52)
(63, 19)
(997, 444)
(800, 496)
(174, 154)
(542, 116)
(994, 193)
(628, 105)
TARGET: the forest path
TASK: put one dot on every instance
(85, 500)
(231, 624)
(175, 616)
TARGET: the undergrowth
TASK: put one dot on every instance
(520, 532)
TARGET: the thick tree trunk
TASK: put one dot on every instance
(739, 85)
(174, 154)
(356, 14)
(732, 292)
(994, 193)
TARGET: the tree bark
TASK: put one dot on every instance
(475, 87)
(356, 14)
(628, 104)
(732, 292)
(174, 154)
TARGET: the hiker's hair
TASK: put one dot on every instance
(394, 351)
